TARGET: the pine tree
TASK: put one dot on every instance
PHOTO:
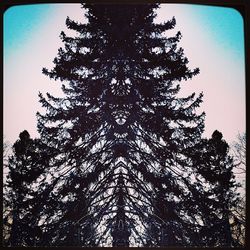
(214, 166)
(122, 143)
(25, 166)
(121, 108)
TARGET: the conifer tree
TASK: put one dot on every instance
(214, 167)
(122, 142)
(25, 166)
(121, 104)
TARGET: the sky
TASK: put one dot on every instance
(212, 40)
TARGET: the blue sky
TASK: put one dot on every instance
(225, 25)
(21, 22)
(212, 40)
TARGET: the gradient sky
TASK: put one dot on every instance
(212, 40)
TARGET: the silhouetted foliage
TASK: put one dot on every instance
(219, 196)
(25, 165)
(127, 164)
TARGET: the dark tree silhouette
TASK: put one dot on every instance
(25, 166)
(122, 143)
(122, 111)
(215, 167)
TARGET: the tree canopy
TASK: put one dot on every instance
(121, 160)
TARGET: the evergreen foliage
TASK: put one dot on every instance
(26, 166)
(215, 167)
(125, 163)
